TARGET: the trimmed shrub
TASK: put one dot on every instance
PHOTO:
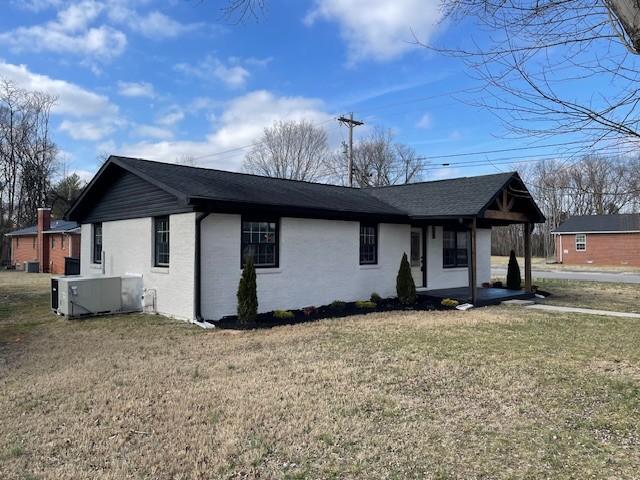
(283, 314)
(514, 281)
(248, 294)
(449, 302)
(405, 287)
(309, 311)
(365, 304)
(375, 298)
(338, 306)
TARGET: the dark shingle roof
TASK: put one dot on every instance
(455, 197)
(243, 188)
(56, 226)
(600, 223)
(442, 198)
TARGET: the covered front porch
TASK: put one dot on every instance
(484, 296)
(450, 254)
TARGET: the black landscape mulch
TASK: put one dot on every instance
(311, 314)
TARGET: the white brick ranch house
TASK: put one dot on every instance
(186, 230)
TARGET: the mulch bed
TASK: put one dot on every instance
(311, 314)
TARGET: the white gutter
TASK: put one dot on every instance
(596, 231)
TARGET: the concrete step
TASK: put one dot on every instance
(520, 303)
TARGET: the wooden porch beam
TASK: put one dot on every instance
(472, 261)
(510, 216)
(527, 257)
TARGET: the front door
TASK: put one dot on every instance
(416, 258)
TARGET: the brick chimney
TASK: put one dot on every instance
(44, 223)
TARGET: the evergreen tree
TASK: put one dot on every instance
(513, 273)
(248, 294)
(405, 287)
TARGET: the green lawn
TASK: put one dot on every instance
(497, 392)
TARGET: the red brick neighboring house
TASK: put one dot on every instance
(48, 243)
(599, 240)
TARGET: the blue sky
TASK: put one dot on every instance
(165, 80)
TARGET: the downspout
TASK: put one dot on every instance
(197, 295)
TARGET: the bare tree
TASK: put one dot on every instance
(27, 156)
(295, 150)
(377, 160)
(536, 58)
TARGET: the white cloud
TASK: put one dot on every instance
(171, 118)
(233, 76)
(69, 34)
(154, 25)
(425, 121)
(136, 89)
(87, 130)
(72, 99)
(240, 124)
(153, 131)
(379, 29)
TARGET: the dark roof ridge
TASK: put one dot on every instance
(238, 173)
(443, 180)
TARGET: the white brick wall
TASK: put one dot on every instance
(319, 263)
(128, 248)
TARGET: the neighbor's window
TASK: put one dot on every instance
(17, 242)
(260, 242)
(53, 242)
(415, 249)
(454, 249)
(97, 243)
(368, 244)
(161, 245)
(62, 242)
(581, 242)
(34, 243)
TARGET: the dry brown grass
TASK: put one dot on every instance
(541, 263)
(622, 297)
(492, 393)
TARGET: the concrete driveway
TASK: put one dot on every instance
(591, 276)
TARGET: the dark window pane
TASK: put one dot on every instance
(454, 248)
(415, 249)
(259, 242)
(368, 244)
(97, 243)
(161, 241)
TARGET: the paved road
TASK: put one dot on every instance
(615, 277)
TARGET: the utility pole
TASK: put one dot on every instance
(351, 123)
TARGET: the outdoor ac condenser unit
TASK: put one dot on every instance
(75, 296)
(32, 267)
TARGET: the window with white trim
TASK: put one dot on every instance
(97, 243)
(581, 242)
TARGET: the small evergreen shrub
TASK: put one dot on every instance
(514, 281)
(365, 304)
(309, 311)
(449, 302)
(338, 306)
(405, 287)
(248, 294)
(283, 314)
(375, 298)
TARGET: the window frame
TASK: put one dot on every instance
(583, 243)
(276, 243)
(156, 261)
(415, 262)
(376, 242)
(62, 242)
(98, 260)
(457, 263)
(53, 242)
(33, 241)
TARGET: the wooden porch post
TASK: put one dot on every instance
(473, 284)
(527, 256)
